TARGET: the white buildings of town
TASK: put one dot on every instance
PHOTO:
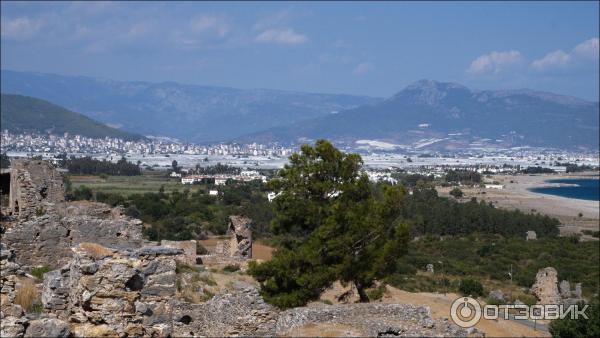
(222, 179)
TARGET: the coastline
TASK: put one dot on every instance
(516, 195)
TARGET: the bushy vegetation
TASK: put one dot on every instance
(471, 287)
(456, 192)
(538, 170)
(185, 215)
(413, 180)
(580, 327)
(217, 169)
(39, 271)
(431, 214)
(463, 176)
(574, 167)
(90, 166)
(487, 256)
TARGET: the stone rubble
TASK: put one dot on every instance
(369, 319)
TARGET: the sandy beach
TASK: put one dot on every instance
(516, 195)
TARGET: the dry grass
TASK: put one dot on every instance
(27, 294)
(95, 250)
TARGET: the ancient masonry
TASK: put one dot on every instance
(546, 289)
(236, 250)
(34, 187)
(240, 242)
(109, 282)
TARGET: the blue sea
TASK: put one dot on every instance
(585, 189)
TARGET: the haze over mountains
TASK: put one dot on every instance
(426, 114)
(186, 112)
(20, 113)
(451, 116)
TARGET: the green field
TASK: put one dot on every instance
(149, 181)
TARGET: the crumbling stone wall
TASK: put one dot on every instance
(189, 250)
(34, 185)
(47, 239)
(13, 322)
(241, 236)
(115, 292)
(545, 287)
(242, 312)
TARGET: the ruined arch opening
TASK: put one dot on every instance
(4, 188)
(135, 283)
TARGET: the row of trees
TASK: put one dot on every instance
(90, 166)
(463, 176)
(430, 214)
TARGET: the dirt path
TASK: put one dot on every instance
(440, 307)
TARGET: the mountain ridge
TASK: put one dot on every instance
(455, 116)
(190, 112)
(20, 113)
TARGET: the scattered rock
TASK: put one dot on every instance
(47, 327)
(497, 295)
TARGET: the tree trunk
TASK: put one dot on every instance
(361, 292)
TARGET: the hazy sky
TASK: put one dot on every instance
(356, 48)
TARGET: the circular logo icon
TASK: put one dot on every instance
(465, 312)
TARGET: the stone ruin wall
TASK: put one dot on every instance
(45, 227)
(107, 292)
(34, 184)
(47, 239)
(546, 289)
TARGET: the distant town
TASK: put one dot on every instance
(158, 153)
(77, 144)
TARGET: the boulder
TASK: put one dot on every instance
(47, 327)
(497, 295)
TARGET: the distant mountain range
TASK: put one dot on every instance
(426, 114)
(430, 114)
(186, 112)
(27, 114)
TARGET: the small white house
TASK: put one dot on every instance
(174, 174)
(220, 181)
(213, 193)
(188, 180)
(494, 186)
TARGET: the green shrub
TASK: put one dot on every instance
(39, 271)
(40, 211)
(471, 287)
(376, 293)
(456, 192)
(579, 327)
(181, 268)
(231, 268)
